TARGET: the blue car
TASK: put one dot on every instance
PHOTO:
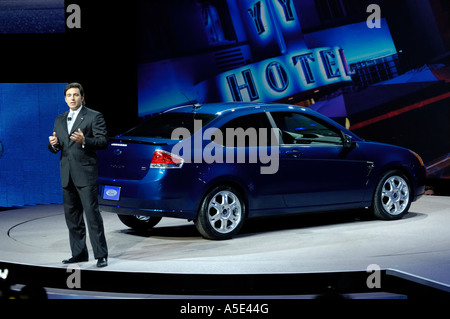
(219, 164)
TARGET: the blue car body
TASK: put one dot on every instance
(341, 172)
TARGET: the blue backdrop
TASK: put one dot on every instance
(29, 173)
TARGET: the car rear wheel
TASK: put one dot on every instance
(392, 197)
(141, 223)
(221, 214)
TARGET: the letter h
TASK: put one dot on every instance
(249, 84)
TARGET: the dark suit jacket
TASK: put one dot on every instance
(78, 161)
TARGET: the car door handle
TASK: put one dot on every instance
(294, 153)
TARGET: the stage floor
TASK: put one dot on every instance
(419, 244)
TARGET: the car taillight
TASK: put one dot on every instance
(163, 159)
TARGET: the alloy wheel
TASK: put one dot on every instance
(395, 195)
(224, 211)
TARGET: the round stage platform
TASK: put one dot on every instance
(283, 256)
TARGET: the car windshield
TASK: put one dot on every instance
(162, 125)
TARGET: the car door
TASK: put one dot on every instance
(316, 168)
(243, 138)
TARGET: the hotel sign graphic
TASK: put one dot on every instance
(279, 77)
(295, 70)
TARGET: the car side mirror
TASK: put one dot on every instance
(348, 141)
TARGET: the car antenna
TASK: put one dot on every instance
(194, 105)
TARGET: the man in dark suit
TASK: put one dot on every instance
(78, 134)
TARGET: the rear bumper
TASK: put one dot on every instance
(120, 210)
(146, 199)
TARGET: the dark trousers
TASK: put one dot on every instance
(77, 199)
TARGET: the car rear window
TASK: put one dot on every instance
(162, 125)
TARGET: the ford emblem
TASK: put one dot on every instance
(111, 192)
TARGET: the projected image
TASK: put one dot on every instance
(332, 56)
(32, 16)
(214, 51)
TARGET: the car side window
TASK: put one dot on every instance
(245, 131)
(297, 128)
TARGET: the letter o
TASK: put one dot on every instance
(277, 77)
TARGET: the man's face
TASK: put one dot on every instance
(73, 98)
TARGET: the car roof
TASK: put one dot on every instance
(242, 107)
(245, 108)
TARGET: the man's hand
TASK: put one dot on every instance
(77, 136)
(53, 139)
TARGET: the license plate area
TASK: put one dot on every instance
(111, 192)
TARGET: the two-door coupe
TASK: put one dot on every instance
(219, 164)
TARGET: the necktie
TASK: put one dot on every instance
(70, 122)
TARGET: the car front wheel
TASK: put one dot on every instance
(392, 197)
(221, 214)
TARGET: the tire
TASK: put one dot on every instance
(140, 223)
(222, 214)
(392, 197)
